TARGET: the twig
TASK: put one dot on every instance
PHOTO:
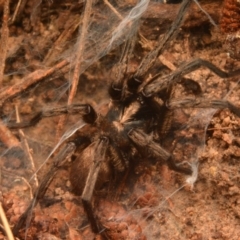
(5, 223)
(4, 39)
(60, 43)
(79, 57)
(80, 49)
(7, 137)
(166, 62)
(113, 9)
(18, 10)
(29, 80)
(26, 148)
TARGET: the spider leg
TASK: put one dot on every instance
(202, 103)
(118, 160)
(59, 160)
(116, 88)
(99, 156)
(120, 164)
(88, 113)
(149, 60)
(143, 140)
(158, 84)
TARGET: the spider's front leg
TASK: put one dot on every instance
(141, 139)
(88, 114)
(157, 85)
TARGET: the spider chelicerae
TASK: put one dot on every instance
(137, 115)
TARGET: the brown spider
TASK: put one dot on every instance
(138, 112)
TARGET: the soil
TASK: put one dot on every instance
(153, 202)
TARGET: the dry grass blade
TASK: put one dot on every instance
(5, 223)
(27, 149)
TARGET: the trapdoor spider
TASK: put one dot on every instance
(138, 112)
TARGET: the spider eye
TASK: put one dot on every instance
(91, 116)
(104, 139)
(172, 1)
(141, 99)
(115, 92)
(134, 83)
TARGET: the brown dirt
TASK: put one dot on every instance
(154, 202)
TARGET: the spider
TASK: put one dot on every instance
(138, 112)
